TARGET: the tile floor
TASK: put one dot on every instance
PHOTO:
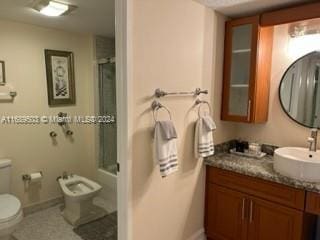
(45, 225)
(48, 224)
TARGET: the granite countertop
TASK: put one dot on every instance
(260, 168)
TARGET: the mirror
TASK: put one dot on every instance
(299, 90)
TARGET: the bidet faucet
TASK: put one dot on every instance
(65, 175)
(313, 140)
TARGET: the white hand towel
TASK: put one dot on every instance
(165, 151)
(168, 129)
(203, 144)
(208, 123)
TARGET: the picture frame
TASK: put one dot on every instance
(2, 73)
(60, 77)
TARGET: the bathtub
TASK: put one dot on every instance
(108, 181)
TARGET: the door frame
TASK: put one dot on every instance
(123, 15)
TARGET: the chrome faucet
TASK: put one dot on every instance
(65, 175)
(313, 140)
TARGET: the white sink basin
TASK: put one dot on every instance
(298, 163)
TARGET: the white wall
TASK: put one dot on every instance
(177, 45)
(30, 147)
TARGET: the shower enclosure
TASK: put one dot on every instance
(108, 131)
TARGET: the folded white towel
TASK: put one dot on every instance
(168, 129)
(165, 151)
(203, 144)
(208, 123)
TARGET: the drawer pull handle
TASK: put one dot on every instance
(243, 208)
(249, 111)
(251, 211)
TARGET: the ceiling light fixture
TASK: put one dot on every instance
(52, 8)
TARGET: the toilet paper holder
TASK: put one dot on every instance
(27, 177)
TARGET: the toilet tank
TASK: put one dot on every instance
(5, 175)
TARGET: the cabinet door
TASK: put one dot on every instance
(226, 214)
(239, 69)
(268, 220)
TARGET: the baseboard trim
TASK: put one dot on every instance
(42, 206)
(199, 235)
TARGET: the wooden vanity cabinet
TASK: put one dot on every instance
(239, 207)
(268, 220)
(313, 203)
(246, 74)
(225, 214)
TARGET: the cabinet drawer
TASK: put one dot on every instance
(313, 203)
(275, 192)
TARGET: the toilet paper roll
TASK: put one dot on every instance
(35, 177)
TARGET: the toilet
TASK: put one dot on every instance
(11, 213)
(78, 197)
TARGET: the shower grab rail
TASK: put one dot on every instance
(160, 93)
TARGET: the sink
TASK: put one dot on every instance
(297, 163)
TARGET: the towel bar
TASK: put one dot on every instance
(160, 93)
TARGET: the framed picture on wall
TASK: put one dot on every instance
(2, 73)
(60, 77)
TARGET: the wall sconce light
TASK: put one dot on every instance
(304, 38)
(303, 28)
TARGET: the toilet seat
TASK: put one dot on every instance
(10, 208)
(70, 189)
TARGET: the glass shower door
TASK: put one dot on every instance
(108, 131)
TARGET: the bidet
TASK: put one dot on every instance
(78, 196)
